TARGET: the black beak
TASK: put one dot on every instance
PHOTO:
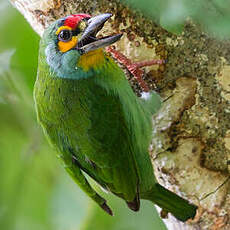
(88, 40)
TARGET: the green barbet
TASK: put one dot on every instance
(92, 117)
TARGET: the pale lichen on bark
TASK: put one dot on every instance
(191, 137)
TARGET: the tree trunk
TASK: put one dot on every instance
(191, 137)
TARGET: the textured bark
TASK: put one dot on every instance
(191, 138)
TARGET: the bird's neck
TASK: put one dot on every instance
(92, 60)
(74, 66)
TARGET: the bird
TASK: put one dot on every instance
(93, 119)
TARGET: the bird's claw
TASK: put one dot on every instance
(134, 68)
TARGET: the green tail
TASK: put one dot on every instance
(170, 202)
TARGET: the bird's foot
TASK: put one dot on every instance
(134, 68)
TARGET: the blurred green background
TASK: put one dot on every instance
(212, 15)
(35, 191)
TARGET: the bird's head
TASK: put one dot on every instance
(70, 45)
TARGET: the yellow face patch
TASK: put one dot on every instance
(64, 46)
(91, 59)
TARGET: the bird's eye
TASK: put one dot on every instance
(65, 35)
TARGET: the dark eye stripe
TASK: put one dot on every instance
(76, 32)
